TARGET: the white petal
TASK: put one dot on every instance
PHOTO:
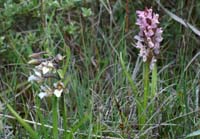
(144, 58)
(33, 78)
(39, 67)
(57, 92)
(150, 43)
(50, 64)
(42, 95)
(46, 89)
(45, 70)
(59, 57)
(45, 63)
(37, 72)
(43, 88)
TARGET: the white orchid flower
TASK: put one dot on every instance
(45, 91)
(59, 86)
(45, 67)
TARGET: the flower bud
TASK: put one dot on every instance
(37, 55)
(59, 58)
(34, 62)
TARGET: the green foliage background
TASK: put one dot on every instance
(100, 100)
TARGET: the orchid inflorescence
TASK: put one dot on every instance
(43, 70)
(149, 37)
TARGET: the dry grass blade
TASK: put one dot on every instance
(192, 61)
(180, 20)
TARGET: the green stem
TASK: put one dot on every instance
(153, 87)
(40, 117)
(146, 92)
(154, 82)
(65, 118)
(55, 117)
(68, 54)
(146, 84)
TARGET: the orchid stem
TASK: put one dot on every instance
(153, 86)
(55, 117)
(146, 93)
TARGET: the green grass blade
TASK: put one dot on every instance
(32, 133)
(193, 134)
(132, 84)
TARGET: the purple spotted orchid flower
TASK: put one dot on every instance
(149, 37)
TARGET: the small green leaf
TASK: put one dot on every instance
(54, 4)
(71, 28)
(86, 12)
(60, 73)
